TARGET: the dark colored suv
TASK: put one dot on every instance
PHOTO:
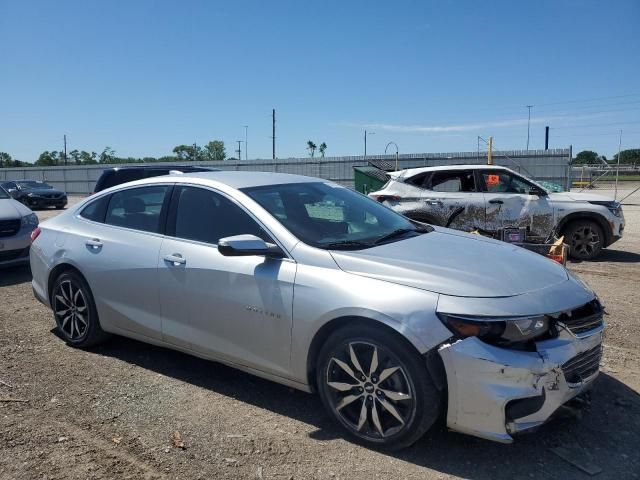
(117, 175)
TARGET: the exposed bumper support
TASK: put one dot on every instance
(483, 379)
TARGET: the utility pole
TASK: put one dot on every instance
(490, 152)
(239, 150)
(65, 150)
(528, 125)
(273, 132)
(546, 137)
(246, 148)
(615, 194)
(365, 141)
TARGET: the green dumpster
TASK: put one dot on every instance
(369, 179)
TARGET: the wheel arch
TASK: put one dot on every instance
(592, 216)
(331, 326)
(56, 272)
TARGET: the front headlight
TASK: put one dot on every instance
(613, 206)
(30, 220)
(502, 331)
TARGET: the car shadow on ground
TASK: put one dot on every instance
(618, 256)
(15, 275)
(605, 431)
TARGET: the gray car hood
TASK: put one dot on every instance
(454, 263)
(578, 197)
(11, 209)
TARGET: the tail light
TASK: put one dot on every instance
(382, 198)
(34, 234)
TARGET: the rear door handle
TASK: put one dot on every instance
(432, 201)
(498, 202)
(94, 243)
(175, 259)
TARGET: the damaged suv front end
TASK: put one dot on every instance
(513, 361)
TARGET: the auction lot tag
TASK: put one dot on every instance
(493, 180)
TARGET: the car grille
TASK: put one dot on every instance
(9, 255)
(52, 195)
(9, 228)
(584, 318)
(582, 366)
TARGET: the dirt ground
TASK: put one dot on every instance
(111, 412)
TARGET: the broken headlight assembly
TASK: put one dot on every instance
(499, 331)
(612, 206)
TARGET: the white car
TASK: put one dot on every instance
(493, 198)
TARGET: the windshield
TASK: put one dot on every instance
(329, 216)
(3, 193)
(31, 185)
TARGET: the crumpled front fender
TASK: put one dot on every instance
(483, 379)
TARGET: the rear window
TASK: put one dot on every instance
(96, 210)
(137, 208)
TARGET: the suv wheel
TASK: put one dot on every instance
(585, 239)
(377, 387)
(75, 312)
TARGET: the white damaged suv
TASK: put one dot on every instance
(494, 198)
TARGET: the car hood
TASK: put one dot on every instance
(42, 191)
(11, 209)
(578, 197)
(455, 263)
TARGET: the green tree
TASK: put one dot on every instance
(75, 156)
(107, 155)
(322, 148)
(586, 157)
(631, 156)
(5, 159)
(312, 148)
(189, 153)
(47, 159)
(87, 158)
(215, 150)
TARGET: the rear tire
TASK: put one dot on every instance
(585, 239)
(74, 311)
(390, 405)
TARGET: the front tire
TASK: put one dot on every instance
(74, 311)
(585, 239)
(377, 387)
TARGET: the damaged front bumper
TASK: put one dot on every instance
(494, 392)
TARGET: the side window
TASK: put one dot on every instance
(96, 210)
(418, 180)
(137, 208)
(207, 216)
(453, 181)
(504, 182)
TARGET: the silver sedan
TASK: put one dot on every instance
(307, 283)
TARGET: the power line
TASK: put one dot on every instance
(596, 125)
(588, 99)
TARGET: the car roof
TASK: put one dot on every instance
(232, 179)
(412, 171)
(159, 167)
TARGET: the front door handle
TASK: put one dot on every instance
(497, 202)
(94, 243)
(176, 259)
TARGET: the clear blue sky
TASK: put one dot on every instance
(144, 76)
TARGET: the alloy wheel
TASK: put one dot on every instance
(585, 240)
(370, 391)
(71, 310)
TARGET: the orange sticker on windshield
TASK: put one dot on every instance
(493, 180)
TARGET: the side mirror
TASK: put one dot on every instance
(538, 191)
(248, 245)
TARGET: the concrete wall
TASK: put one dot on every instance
(549, 165)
